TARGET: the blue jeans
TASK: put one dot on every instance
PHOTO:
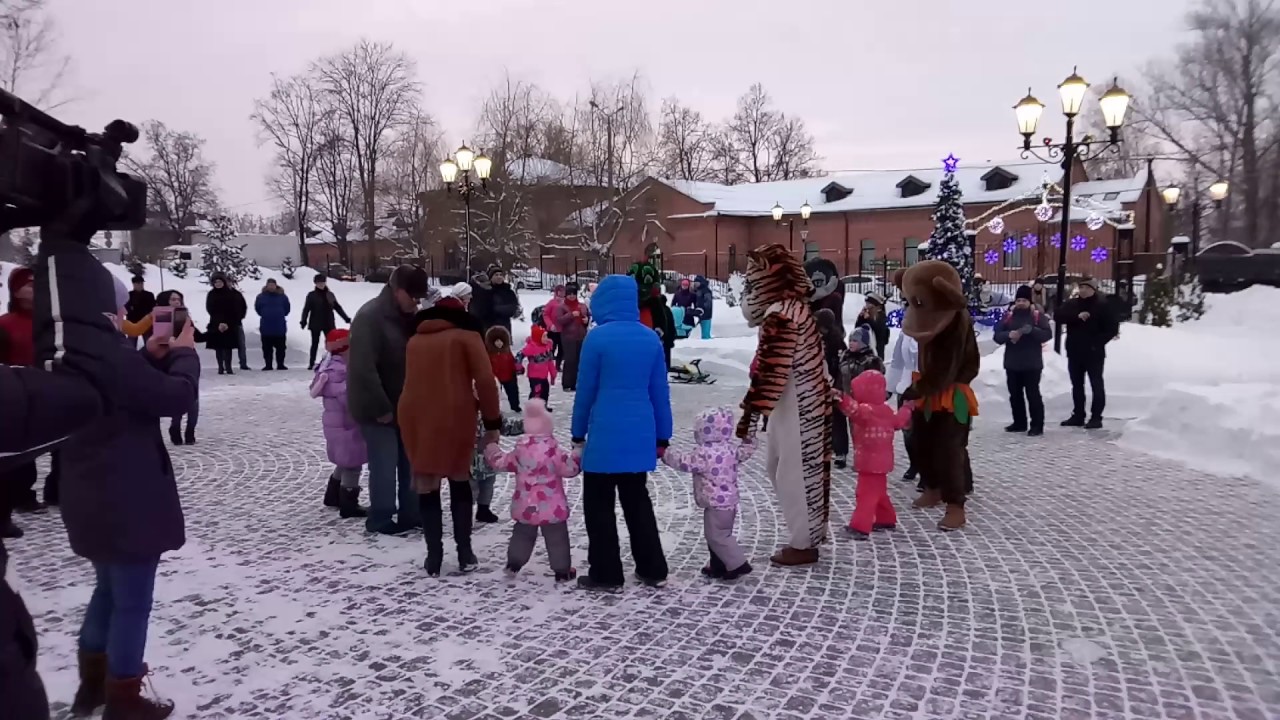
(706, 328)
(390, 478)
(115, 622)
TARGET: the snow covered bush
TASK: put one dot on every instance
(287, 268)
(221, 255)
(1157, 300)
(1189, 297)
(178, 267)
(136, 266)
(737, 282)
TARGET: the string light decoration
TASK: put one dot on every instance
(1095, 221)
(1044, 211)
(1079, 242)
(1099, 255)
(1049, 195)
(996, 225)
(991, 257)
(1030, 240)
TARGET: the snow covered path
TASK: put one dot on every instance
(1094, 582)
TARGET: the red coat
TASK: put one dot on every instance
(17, 345)
(504, 365)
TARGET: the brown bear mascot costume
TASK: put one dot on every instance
(937, 317)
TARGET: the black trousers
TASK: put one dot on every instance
(1024, 395)
(839, 432)
(512, 388)
(53, 480)
(556, 350)
(1079, 367)
(22, 695)
(17, 488)
(316, 335)
(224, 357)
(600, 493)
(433, 523)
(273, 346)
(241, 345)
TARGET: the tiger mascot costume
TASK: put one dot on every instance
(791, 390)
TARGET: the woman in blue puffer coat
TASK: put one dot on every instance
(273, 309)
(622, 412)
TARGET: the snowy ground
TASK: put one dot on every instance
(1093, 582)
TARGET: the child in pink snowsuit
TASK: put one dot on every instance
(343, 441)
(714, 463)
(539, 500)
(538, 355)
(874, 423)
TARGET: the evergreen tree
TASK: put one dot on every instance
(1189, 296)
(136, 266)
(221, 255)
(1157, 300)
(178, 267)
(287, 268)
(948, 242)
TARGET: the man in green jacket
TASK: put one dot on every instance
(375, 376)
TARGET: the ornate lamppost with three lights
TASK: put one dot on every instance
(1114, 104)
(465, 162)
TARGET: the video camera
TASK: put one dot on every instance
(57, 174)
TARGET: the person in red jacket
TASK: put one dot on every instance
(17, 347)
(497, 341)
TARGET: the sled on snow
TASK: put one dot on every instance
(690, 373)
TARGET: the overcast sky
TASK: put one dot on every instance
(890, 84)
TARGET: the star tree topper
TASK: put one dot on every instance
(950, 162)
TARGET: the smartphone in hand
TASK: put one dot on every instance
(180, 320)
(162, 324)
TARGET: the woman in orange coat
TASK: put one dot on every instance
(448, 381)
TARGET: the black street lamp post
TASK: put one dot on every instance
(1114, 104)
(1217, 194)
(805, 211)
(464, 162)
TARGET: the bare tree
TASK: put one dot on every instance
(372, 86)
(1215, 104)
(791, 149)
(724, 164)
(411, 169)
(752, 129)
(179, 178)
(1128, 158)
(686, 143)
(289, 118)
(31, 64)
(335, 182)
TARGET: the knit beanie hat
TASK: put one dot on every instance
(862, 336)
(461, 291)
(537, 421)
(21, 277)
(1023, 293)
(337, 340)
(537, 333)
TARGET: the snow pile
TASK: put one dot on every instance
(1203, 393)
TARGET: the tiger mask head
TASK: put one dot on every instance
(773, 275)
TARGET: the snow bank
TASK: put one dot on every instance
(1205, 393)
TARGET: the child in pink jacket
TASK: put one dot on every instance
(539, 501)
(874, 424)
(539, 355)
(714, 463)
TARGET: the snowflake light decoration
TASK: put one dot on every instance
(1094, 221)
(1079, 242)
(1030, 240)
(996, 225)
(1099, 255)
(1056, 240)
(1044, 212)
(1010, 245)
(992, 257)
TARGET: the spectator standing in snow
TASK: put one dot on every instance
(497, 341)
(683, 304)
(503, 302)
(318, 311)
(664, 323)
(1090, 323)
(873, 315)
(343, 442)
(122, 512)
(272, 306)
(572, 316)
(553, 327)
(448, 384)
(704, 304)
(17, 347)
(1023, 332)
(380, 333)
(1039, 298)
(227, 310)
(833, 347)
(141, 302)
(539, 356)
(622, 412)
(241, 344)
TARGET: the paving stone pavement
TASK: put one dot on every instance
(1092, 583)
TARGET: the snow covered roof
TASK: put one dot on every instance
(536, 170)
(1123, 190)
(871, 189)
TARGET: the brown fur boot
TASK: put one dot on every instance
(928, 499)
(125, 701)
(92, 693)
(954, 519)
(791, 557)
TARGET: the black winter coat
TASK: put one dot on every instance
(1088, 338)
(319, 309)
(879, 330)
(226, 306)
(504, 304)
(1028, 352)
(141, 303)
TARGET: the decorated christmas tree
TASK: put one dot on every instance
(948, 242)
(1157, 300)
(221, 255)
(1189, 296)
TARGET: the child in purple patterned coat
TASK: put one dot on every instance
(714, 463)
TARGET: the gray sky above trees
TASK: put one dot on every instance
(895, 84)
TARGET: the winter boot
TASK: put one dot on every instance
(656, 584)
(1095, 423)
(125, 701)
(433, 533)
(567, 576)
(1035, 431)
(739, 572)
(92, 693)
(175, 437)
(8, 530)
(954, 519)
(841, 461)
(349, 503)
(1073, 421)
(714, 569)
(884, 526)
(791, 557)
(331, 492)
(485, 515)
(1015, 428)
(190, 436)
(910, 474)
(586, 583)
(467, 561)
(928, 499)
